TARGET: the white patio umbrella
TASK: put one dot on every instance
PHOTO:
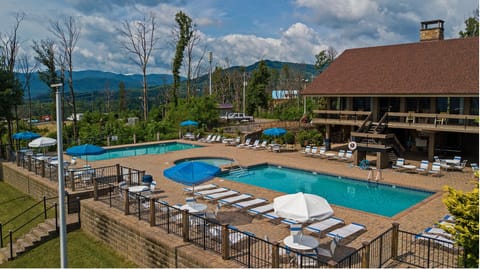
(42, 142)
(302, 207)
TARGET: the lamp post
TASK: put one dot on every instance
(61, 182)
(244, 85)
(210, 73)
(305, 97)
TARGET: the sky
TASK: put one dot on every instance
(237, 32)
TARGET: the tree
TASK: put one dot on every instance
(185, 32)
(67, 34)
(45, 55)
(139, 41)
(464, 207)
(471, 26)
(256, 90)
(324, 58)
(27, 71)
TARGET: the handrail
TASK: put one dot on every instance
(28, 209)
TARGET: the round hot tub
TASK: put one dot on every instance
(216, 161)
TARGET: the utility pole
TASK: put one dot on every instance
(210, 73)
(244, 85)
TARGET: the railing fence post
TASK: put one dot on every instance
(42, 168)
(395, 228)
(78, 209)
(127, 202)
(10, 233)
(95, 189)
(1, 235)
(366, 255)
(72, 179)
(225, 242)
(45, 207)
(275, 255)
(152, 211)
(185, 225)
(118, 172)
(57, 228)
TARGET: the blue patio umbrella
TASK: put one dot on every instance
(188, 123)
(191, 173)
(275, 132)
(85, 150)
(27, 135)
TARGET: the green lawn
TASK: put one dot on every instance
(82, 250)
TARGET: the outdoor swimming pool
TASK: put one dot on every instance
(141, 150)
(216, 161)
(382, 199)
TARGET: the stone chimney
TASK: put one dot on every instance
(431, 30)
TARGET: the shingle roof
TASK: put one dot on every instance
(445, 67)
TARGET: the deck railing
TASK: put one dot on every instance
(254, 252)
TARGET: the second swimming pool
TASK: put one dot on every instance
(122, 152)
(382, 199)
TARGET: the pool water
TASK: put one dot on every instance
(141, 150)
(219, 162)
(382, 199)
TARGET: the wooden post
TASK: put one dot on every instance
(275, 255)
(152, 211)
(42, 169)
(395, 229)
(127, 202)
(225, 242)
(366, 255)
(95, 189)
(118, 173)
(185, 225)
(18, 157)
(30, 163)
(72, 179)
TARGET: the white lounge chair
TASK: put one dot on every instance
(436, 169)
(347, 231)
(321, 152)
(307, 150)
(449, 218)
(234, 199)
(348, 157)
(460, 166)
(330, 251)
(246, 144)
(260, 209)
(219, 195)
(438, 231)
(249, 203)
(263, 145)
(423, 169)
(399, 163)
(254, 145)
(312, 152)
(437, 239)
(339, 156)
(213, 214)
(200, 187)
(234, 235)
(212, 191)
(322, 226)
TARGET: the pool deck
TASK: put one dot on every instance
(414, 219)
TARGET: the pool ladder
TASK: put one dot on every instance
(238, 172)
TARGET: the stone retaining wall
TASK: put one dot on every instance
(144, 245)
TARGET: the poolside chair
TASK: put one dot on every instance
(330, 251)
(153, 186)
(249, 203)
(213, 214)
(321, 152)
(212, 139)
(346, 231)
(260, 209)
(399, 163)
(73, 161)
(296, 231)
(460, 166)
(348, 157)
(263, 145)
(423, 168)
(255, 144)
(246, 144)
(449, 218)
(435, 239)
(289, 221)
(190, 200)
(234, 199)
(235, 236)
(438, 231)
(340, 155)
(313, 152)
(200, 187)
(307, 150)
(211, 191)
(474, 167)
(235, 142)
(324, 225)
(276, 148)
(205, 139)
(219, 195)
(436, 169)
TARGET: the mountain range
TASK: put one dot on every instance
(93, 80)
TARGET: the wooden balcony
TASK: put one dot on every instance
(403, 120)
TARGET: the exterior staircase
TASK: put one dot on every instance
(36, 236)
